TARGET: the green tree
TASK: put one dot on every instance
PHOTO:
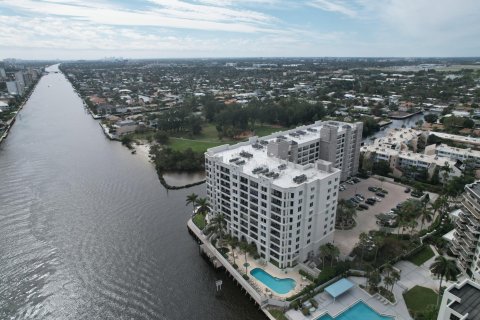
(345, 212)
(192, 199)
(162, 137)
(233, 242)
(324, 252)
(426, 215)
(444, 268)
(431, 118)
(245, 247)
(363, 242)
(203, 205)
(374, 279)
(217, 226)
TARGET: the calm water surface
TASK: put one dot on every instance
(88, 232)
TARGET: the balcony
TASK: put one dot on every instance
(473, 230)
(465, 256)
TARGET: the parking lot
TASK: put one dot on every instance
(345, 240)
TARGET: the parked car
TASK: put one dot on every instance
(378, 199)
(417, 194)
(407, 190)
(373, 189)
(370, 201)
(363, 206)
(380, 194)
(353, 199)
(351, 182)
(356, 180)
(360, 196)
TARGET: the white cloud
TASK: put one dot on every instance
(164, 13)
(333, 6)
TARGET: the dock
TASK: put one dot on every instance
(219, 262)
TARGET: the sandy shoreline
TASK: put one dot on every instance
(143, 150)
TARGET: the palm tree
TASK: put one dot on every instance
(345, 212)
(363, 240)
(203, 205)
(426, 215)
(324, 252)
(378, 241)
(412, 225)
(233, 242)
(192, 199)
(334, 253)
(217, 226)
(444, 268)
(389, 282)
(395, 275)
(244, 247)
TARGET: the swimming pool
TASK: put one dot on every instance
(359, 311)
(280, 286)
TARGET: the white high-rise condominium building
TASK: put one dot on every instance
(279, 191)
(466, 242)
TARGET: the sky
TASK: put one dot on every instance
(94, 29)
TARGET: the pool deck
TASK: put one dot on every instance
(326, 304)
(292, 273)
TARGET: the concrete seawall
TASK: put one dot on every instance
(261, 300)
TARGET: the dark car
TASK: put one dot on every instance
(363, 206)
(356, 180)
(407, 190)
(380, 194)
(417, 194)
(370, 201)
(373, 189)
(354, 200)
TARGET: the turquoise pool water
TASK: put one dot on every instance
(280, 286)
(359, 311)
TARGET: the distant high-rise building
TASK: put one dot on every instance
(12, 87)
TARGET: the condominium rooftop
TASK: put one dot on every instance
(381, 149)
(398, 135)
(307, 133)
(252, 159)
(465, 152)
(469, 301)
(455, 137)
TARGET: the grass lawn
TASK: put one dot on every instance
(181, 144)
(199, 220)
(277, 314)
(422, 256)
(418, 298)
(209, 138)
(266, 130)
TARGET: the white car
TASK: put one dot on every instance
(378, 199)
